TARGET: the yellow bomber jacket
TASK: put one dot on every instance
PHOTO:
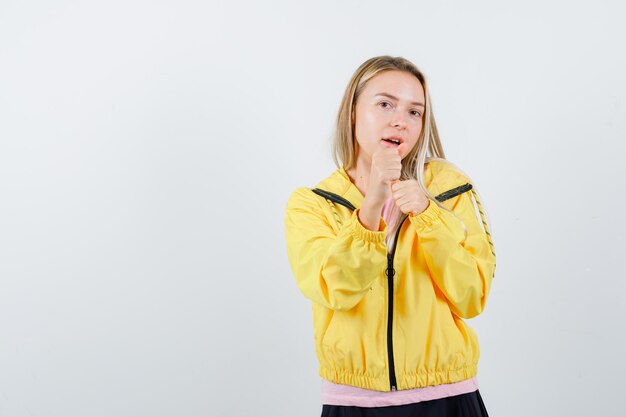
(392, 321)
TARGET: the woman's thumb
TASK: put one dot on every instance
(401, 148)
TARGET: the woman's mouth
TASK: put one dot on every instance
(391, 143)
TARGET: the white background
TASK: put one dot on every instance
(147, 150)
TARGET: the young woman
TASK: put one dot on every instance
(394, 254)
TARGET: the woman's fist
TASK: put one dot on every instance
(386, 165)
(409, 197)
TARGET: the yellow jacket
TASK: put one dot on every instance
(392, 321)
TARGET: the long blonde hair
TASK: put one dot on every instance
(428, 146)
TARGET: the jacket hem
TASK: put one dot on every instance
(377, 383)
(405, 381)
(448, 376)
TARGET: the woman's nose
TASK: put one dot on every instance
(398, 120)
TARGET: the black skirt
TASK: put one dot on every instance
(463, 405)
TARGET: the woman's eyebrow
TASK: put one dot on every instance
(415, 103)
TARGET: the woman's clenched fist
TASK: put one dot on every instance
(386, 167)
(409, 197)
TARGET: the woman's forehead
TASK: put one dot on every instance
(398, 85)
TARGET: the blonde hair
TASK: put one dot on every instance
(428, 146)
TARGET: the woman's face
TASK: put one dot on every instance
(391, 105)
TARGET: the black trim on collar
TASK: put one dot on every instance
(446, 195)
(453, 192)
(334, 197)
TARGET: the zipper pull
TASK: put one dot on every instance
(393, 388)
(390, 271)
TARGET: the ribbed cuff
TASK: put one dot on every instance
(427, 217)
(363, 233)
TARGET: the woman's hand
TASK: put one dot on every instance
(386, 168)
(409, 197)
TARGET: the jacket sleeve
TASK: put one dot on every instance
(462, 269)
(334, 269)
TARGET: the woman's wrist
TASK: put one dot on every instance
(369, 215)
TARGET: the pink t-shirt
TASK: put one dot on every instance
(339, 394)
(389, 213)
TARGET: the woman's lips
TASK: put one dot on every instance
(390, 144)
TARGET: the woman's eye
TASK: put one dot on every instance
(386, 104)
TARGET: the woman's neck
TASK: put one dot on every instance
(359, 175)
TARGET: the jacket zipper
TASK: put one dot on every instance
(390, 272)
